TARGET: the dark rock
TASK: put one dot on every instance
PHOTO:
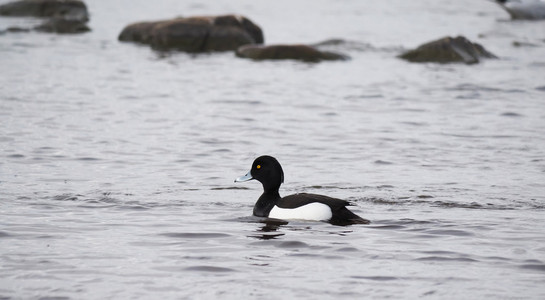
(65, 16)
(298, 52)
(195, 34)
(17, 29)
(67, 9)
(138, 32)
(60, 25)
(523, 44)
(524, 10)
(448, 50)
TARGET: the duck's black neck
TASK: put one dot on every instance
(265, 203)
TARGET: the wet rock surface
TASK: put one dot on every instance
(66, 9)
(448, 50)
(195, 34)
(60, 25)
(296, 52)
(64, 16)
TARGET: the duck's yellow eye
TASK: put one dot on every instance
(258, 166)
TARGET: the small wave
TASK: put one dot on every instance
(329, 187)
(472, 87)
(449, 232)
(536, 267)
(493, 136)
(348, 249)
(342, 44)
(510, 114)
(338, 44)
(402, 224)
(87, 159)
(292, 244)
(423, 200)
(66, 197)
(363, 96)
(211, 269)
(376, 278)
(382, 201)
(415, 123)
(447, 204)
(195, 235)
(442, 259)
(383, 162)
(389, 227)
(229, 188)
(103, 200)
(237, 101)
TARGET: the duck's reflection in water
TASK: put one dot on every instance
(270, 229)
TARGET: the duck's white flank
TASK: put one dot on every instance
(310, 212)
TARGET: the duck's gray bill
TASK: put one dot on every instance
(245, 177)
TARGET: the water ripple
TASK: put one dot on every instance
(195, 235)
(211, 269)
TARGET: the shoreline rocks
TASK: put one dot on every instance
(195, 34)
(448, 50)
(297, 52)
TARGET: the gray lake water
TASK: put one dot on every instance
(117, 162)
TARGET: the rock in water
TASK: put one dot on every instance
(60, 25)
(195, 34)
(66, 9)
(297, 52)
(524, 9)
(448, 50)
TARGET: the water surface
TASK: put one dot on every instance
(117, 162)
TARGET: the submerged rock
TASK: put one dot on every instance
(195, 34)
(60, 25)
(66, 9)
(16, 30)
(448, 50)
(297, 52)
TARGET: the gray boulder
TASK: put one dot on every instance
(66, 9)
(195, 34)
(297, 52)
(448, 50)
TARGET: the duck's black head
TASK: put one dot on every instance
(267, 170)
